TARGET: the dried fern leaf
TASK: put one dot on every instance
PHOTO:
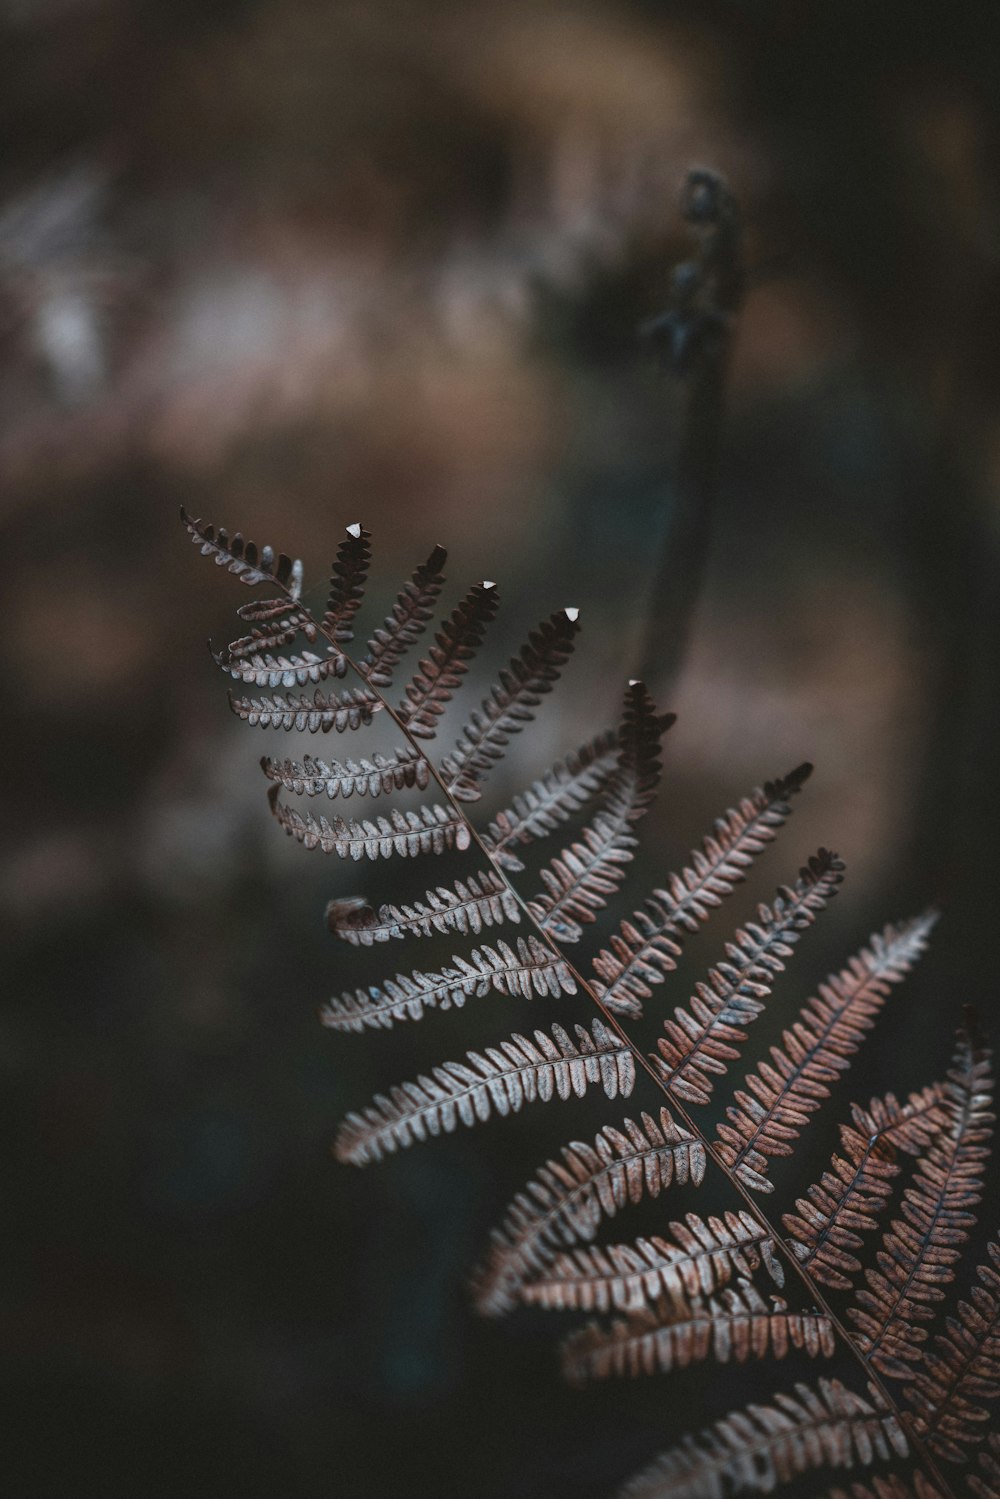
(847, 1200)
(920, 1249)
(736, 1326)
(702, 1258)
(965, 1370)
(986, 1483)
(566, 1200)
(347, 583)
(379, 776)
(768, 1118)
(244, 559)
(532, 969)
(441, 670)
(280, 622)
(420, 830)
(403, 627)
(700, 1042)
(764, 1446)
(316, 715)
(265, 670)
(579, 882)
(511, 705)
(553, 800)
(645, 947)
(482, 900)
(889, 1487)
(502, 1079)
(275, 612)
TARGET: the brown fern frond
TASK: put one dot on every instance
(379, 776)
(532, 969)
(767, 1119)
(566, 1200)
(700, 1042)
(764, 1446)
(644, 948)
(501, 1079)
(281, 621)
(511, 705)
(244, 559)
(889, 1487)
(702, 1258)
(410, 615)
(277, 614)
(419, 830)
(847, 1200)
(553, 799)
(347, 583)
(579, 881)
(319, 714)
(440, 672)
(261, 669)
(737, 1325)
(986, 1483)
(481, 900)
(919, 1251)
(965, 1370)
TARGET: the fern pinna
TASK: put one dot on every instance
(706, 1287)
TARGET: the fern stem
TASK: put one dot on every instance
(920, 1450)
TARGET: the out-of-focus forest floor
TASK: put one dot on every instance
(298, 264)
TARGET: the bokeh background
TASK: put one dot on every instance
(294, 264)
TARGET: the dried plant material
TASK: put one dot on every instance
(701, 1041)
(501, 1079)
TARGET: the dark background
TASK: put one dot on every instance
(297, 264)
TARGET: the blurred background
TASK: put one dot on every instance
(298, 264)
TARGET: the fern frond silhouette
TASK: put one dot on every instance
(705, 1287)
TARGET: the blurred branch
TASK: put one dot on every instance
(693, 340)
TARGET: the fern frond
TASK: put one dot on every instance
(404, 626)
(553, 799)
(567, 1199)
(347, 583)
(764, 1446)
(644, 948)
(532, 969)
(986, 1483)
(700, 1042)
(244, 559)
(440, 672)
(965, 1370)
(280, 622)
(277, 614)
(767, 1119)
(261, 669)
(703, 1258)
(482, 900)
(889, 1487)
(378, 776)
(919, 1251)
(738, 1325)
(502, 1079)
(849, 1197)
(319, 714)
(531, 674)
(579, 881)
(419, 830)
